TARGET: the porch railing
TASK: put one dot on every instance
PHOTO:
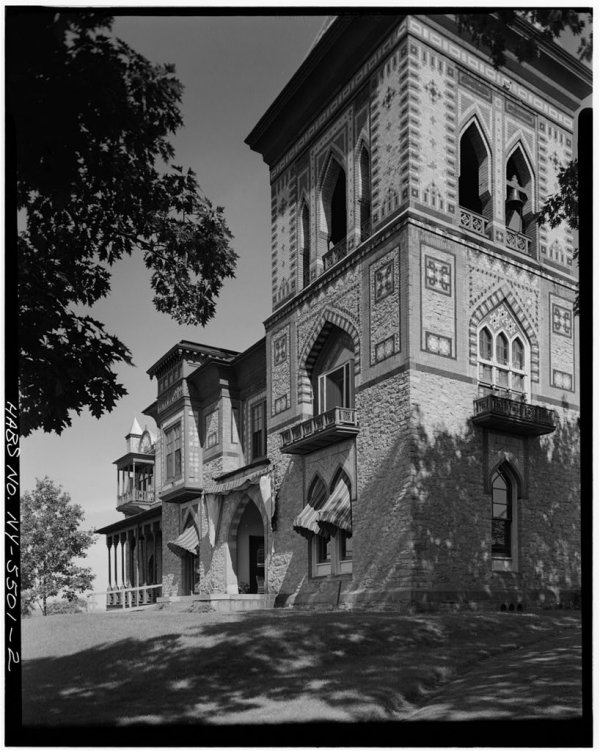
(131, 597)
(518, 241)
(472, 221)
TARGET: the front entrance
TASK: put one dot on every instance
(256, 564)
(190, 567)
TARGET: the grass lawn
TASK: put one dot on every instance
(167, 667)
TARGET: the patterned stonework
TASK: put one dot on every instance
(438, 275)
(562, 321)
(280, 370)
(555, 151)
(434, 140)
(384, 311)
(501, 318)
(438, 302)
(211, 429)
(388, 135)
(283, 243)
(562, 354)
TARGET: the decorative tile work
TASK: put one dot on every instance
(486, 71)
(211, 429)
(384, 281)
(520, 112)
(281, 404)
(389, 136)
(283, 243)
(281, 384)
(438, 275)
(475, 85)
(438, 345)
(562, 353)
(562, 380)
(438, 301)
(434, 121)
(280, 349)
(384, 349)
(384, 308)
(562, 322)
(359, 79)
(555, 152)
(501, 318)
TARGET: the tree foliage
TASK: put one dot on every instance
(50, 541)
(95, 182)
(489, 31)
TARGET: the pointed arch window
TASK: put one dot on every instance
(364, 201)
(305, 243)
(502, 363)
(474, 190)
(333, 220)
(504, 520)
(519, 209)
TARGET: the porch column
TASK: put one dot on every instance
(109, 546)
(124, 559)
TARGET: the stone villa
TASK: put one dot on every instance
(405, 435)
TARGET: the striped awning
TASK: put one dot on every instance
(337, 510)
(240, 482)
(187, 542)
(306, 521)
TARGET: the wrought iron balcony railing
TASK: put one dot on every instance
(335, 254)
(518, 241)
(321, 430)
(512, 416)
(472, 221)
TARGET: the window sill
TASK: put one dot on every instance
(501, 565)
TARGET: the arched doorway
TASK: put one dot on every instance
(251, 551)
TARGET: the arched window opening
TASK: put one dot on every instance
(519, 202)
(364, 200)
(305, 244)
(333, 221)
(501, 516)
(473, 183)
(332, 375)
(338, 210)
(502, 364)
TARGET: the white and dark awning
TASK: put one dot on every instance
(336, 512)
(187, 542)
(307, 521)
(239, 482)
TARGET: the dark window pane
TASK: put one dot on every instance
(323, 549)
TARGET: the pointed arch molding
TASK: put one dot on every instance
(504, 293)
(309, 353)
(475, 115)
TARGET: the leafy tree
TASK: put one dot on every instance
(91, 121)
(490, 31)
(50, 541)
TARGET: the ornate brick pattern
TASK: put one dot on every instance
(283, 234)
(384, 328)
(280, 371)
(389, 135)
(479, 66)
(434, 131)
(562, 365)
(555, 150)
(211, 428)
(438, 302)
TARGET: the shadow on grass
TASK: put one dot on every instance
(278, 667)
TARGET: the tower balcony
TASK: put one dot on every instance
(335, 254)
(511, 416)
(133, 501)
(329, 427)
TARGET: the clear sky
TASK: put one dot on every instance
(232, 68)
